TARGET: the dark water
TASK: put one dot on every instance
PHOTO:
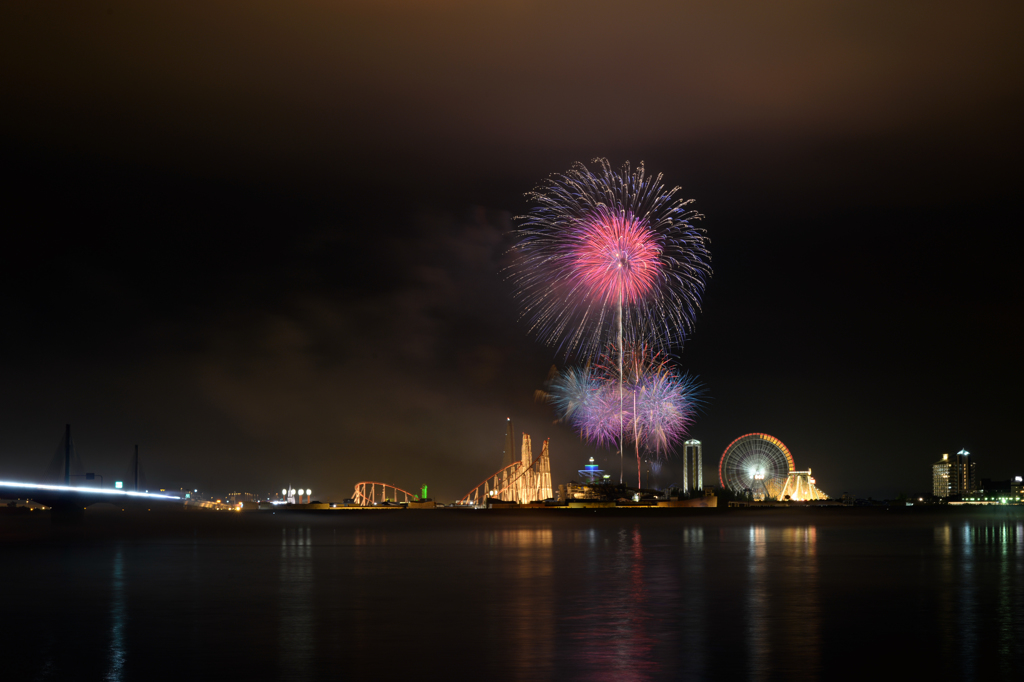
(740, 596)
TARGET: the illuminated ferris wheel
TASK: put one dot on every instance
(756, 462)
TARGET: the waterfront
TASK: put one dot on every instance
(734, 595)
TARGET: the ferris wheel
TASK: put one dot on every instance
(755, 462)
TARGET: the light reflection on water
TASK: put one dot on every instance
(553, 598)
(975, 560)
(783, 602)
(611, 630)
(758, 608)
(296, 607)
(118, 616)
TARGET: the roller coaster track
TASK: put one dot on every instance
(365, 493)
(505, 487)
(493, 486)
(525, 481)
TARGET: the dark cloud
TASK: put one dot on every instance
(313, 88)
(240, 235)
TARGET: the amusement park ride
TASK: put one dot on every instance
(524, 481)
(763, 465)
(371, 493)
(756, 463)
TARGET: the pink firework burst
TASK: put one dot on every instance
(609, 256)
(616, 258)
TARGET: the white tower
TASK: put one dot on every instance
(693, 466)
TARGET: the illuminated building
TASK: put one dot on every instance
(590, 473)
(941, 477)
(693, 466)
(965, 469)
(951, 477)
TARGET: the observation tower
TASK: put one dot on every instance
(590, 473)
(693, 466)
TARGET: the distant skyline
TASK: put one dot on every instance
(269, 244)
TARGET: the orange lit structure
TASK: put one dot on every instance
(798, 486)
(762, 466)
(369, 493)
(525, 481)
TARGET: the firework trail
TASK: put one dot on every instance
(663, 403)
(609, 257)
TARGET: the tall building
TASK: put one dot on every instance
(693, 466)
(965, 472)
(954, 476)
(941, 477)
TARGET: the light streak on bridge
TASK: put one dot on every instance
(112, 492)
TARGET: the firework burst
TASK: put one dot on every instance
(653, 407)
(666, 405)
(609, 256)
(583, 398)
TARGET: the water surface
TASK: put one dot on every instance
(746, 595)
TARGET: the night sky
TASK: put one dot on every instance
(265, 240)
